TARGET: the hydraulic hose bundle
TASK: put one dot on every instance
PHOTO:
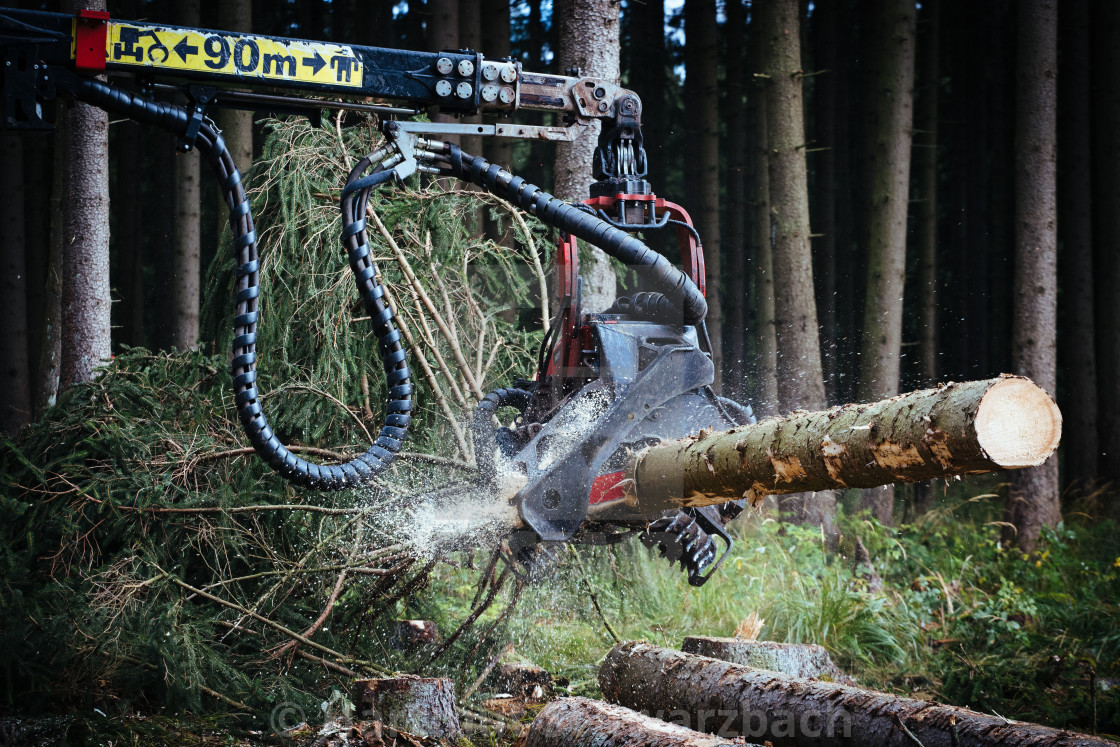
(677, 289)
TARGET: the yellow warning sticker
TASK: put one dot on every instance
(171, 48)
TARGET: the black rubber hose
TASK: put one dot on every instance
(658, 272)
(482, 429)
(243, 365)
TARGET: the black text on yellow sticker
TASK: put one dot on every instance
(170, 48)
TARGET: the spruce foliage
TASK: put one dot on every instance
(151, 560)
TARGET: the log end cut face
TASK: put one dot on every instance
(1018, 424)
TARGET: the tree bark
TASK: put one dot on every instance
(794, 659)
(765, 400)
(1105, 18)
(701, 90)
(799, 378)
(1034, 499)
(925, 168)
(128, 313)
(968, 428)
(589, 40)
(733, 699)
(881, 342)
(86, 298)
(734, 247)
(15, 371)
(237, 126)
(50, 354)
(1075, 225)
(823, 213)
(186, 245)
(580, 722)
(421, 706)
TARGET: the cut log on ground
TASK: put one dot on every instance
(580, 722)
(796, 659)
(523, 680)
(727, 698)
(963, 428)
(417, 705)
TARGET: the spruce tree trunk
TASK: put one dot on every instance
(186, 246)
(765, 359)
(1075, 226)
(38, 160)
(1105, 19)
(589, 40)
(646, 74)
(580, 722)
(784, 711)
(702, 173)
(495, 19)
(50, 354)
(15, 372)
(799, 377)
(1034, 499)
(966, 428)
(86, 298)
(128, 313)
(734, 247)
(823, 214)
(237, 126)
(925, 168)
(881, 343)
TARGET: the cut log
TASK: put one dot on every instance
(796, 659)
(591, 723)
(963, 428)
(787, 711)
(417, 705)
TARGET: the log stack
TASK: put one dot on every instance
(732, 699)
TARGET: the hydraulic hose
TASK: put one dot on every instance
(482, 429)
(648, 264)
(243, 364)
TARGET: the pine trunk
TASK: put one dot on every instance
(732, 699)
(186, 245)
(734, 247)
(1106, 226)
(925, 168)
(580, 722)
(966, 428)
(589, 40)
(86, 297)
(702, 175)
(15, 372)
(1075, 226)
(881, 343)
(237, 126)
(799, 378)
(760, 251)
(823, 215)
(1034, 498)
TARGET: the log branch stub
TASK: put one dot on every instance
(793, 711)
(580, 722)
(959, 428)
(796, 659)
(417, 705)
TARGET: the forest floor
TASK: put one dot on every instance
(960, 618)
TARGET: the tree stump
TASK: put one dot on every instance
(580, 722)
(418, 705)
(410, 635)
(526, 681)
(796, 659)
